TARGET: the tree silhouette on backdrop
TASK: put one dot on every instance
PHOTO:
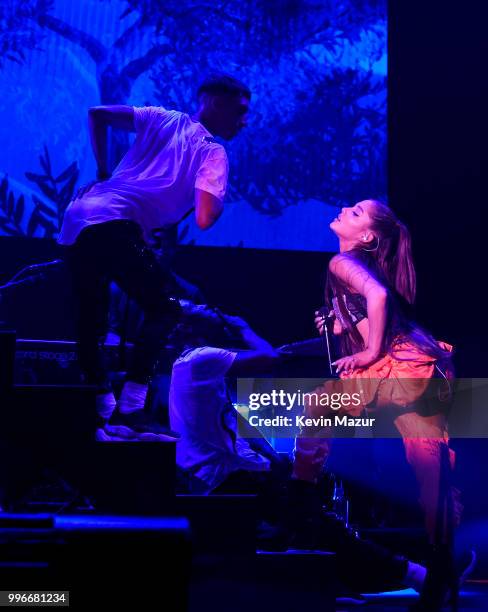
(317, 125)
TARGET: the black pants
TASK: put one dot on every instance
(116, 251)
(361, 564)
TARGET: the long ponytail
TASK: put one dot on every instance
(405, 278)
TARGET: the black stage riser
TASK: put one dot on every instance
(7, 354)
(53, 428)
(103, 562)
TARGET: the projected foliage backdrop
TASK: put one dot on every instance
(316, 139)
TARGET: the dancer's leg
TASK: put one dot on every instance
(137, 272)
(90, 287)
(133, 265)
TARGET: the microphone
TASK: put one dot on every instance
(324, 311)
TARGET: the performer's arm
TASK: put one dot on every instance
(99, 119)
(208, 208)
(259, 356)
(360, 280)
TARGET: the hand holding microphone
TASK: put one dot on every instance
(321, 317)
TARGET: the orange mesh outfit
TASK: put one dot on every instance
(403, 384)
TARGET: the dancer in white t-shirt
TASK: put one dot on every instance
(200, 405)
(174, 166)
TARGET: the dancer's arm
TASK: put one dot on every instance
(259, 356)
(208, 208)
(360, 280)
(99, 119)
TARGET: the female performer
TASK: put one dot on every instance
(388, 357)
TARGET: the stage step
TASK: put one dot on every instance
(287, 581)
(132, 477)
(228, 573)
(220, 523)
(105, 562)
(52, 429)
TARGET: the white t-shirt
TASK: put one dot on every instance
(201, 412)
(155, 181)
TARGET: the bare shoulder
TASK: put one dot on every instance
(352, 273)
(341, 265)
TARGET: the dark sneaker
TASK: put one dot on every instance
(102, 436)
(351, 599)
(441, 586)
(465, 565)
(139, 426)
